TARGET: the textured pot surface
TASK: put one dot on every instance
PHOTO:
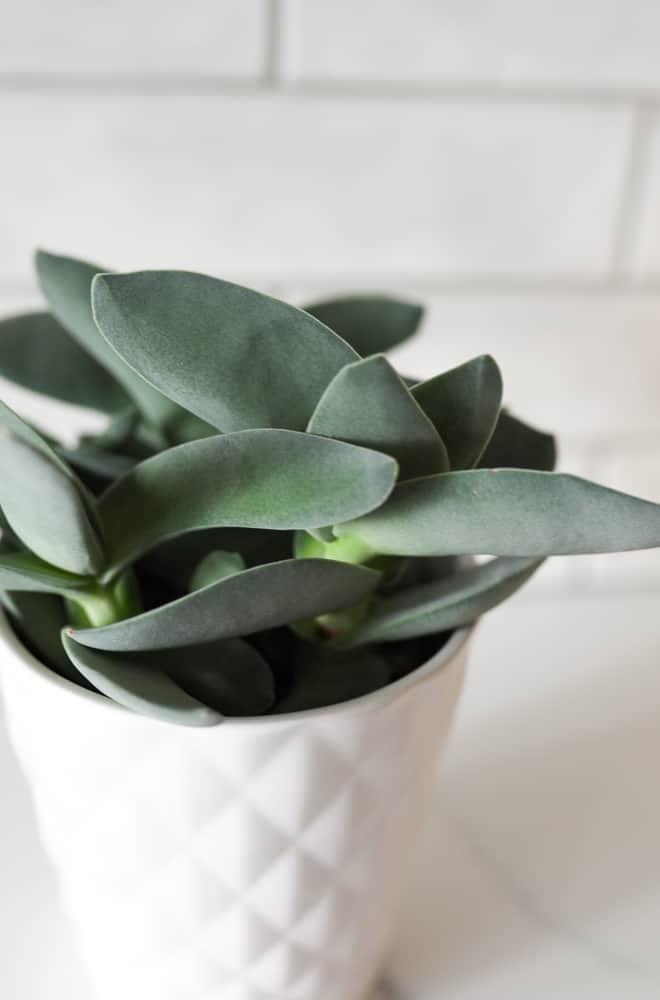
(258, 860)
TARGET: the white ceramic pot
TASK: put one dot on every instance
(259, 860)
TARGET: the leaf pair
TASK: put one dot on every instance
(183, 662)
(142, 317)
(268, 479)
(368, 404)
(64, 355)
(444, 423)
(196, 686)
(248, 360)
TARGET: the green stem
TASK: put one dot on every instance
(98, 605)
(349, 549)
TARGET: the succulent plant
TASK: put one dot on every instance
(273, 519)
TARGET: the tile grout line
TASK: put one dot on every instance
(274, 27)
(466, 90)
(634, 184)
(81, 84)
(74, 85)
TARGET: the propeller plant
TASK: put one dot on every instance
(273, 518)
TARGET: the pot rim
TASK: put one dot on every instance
(440, 659)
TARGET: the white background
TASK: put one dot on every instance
(500, 160)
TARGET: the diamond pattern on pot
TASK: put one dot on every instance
(256, 861)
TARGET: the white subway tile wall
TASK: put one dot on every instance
(499, 160)
(275, 187)
(563, 43)
(75, 39)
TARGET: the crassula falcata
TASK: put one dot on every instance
(273, 518)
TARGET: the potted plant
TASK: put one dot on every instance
(236, 621)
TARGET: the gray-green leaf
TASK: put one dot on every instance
(234, 357)
(23, 571)
(463, 404)
(257, 599)
(38, 620)
(444, 604)
(66, 284)
(229, 676)
(516, 445)
(368, 404)
(515, 512)
(46, 509)
(144, 689)
(369, 323)
(38, 353)
(249, 479)
(323, 679)
(13, 424)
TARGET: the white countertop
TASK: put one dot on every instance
(539, 873)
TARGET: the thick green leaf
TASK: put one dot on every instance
(46, 509)
(66, 283)
(23, 571)
(252, 601)
(515, 445)
(369, 323)
(229, 676)
(515, 512)
(321, 679)
(216, 565)
(38, 620)
(145, 689)
(234, 357)
(18, 428)
(367, 404)
(250, 479)
(463, 404)
(38, 353)
(444, 604)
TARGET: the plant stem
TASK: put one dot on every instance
(98, 605)
(350, 549)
